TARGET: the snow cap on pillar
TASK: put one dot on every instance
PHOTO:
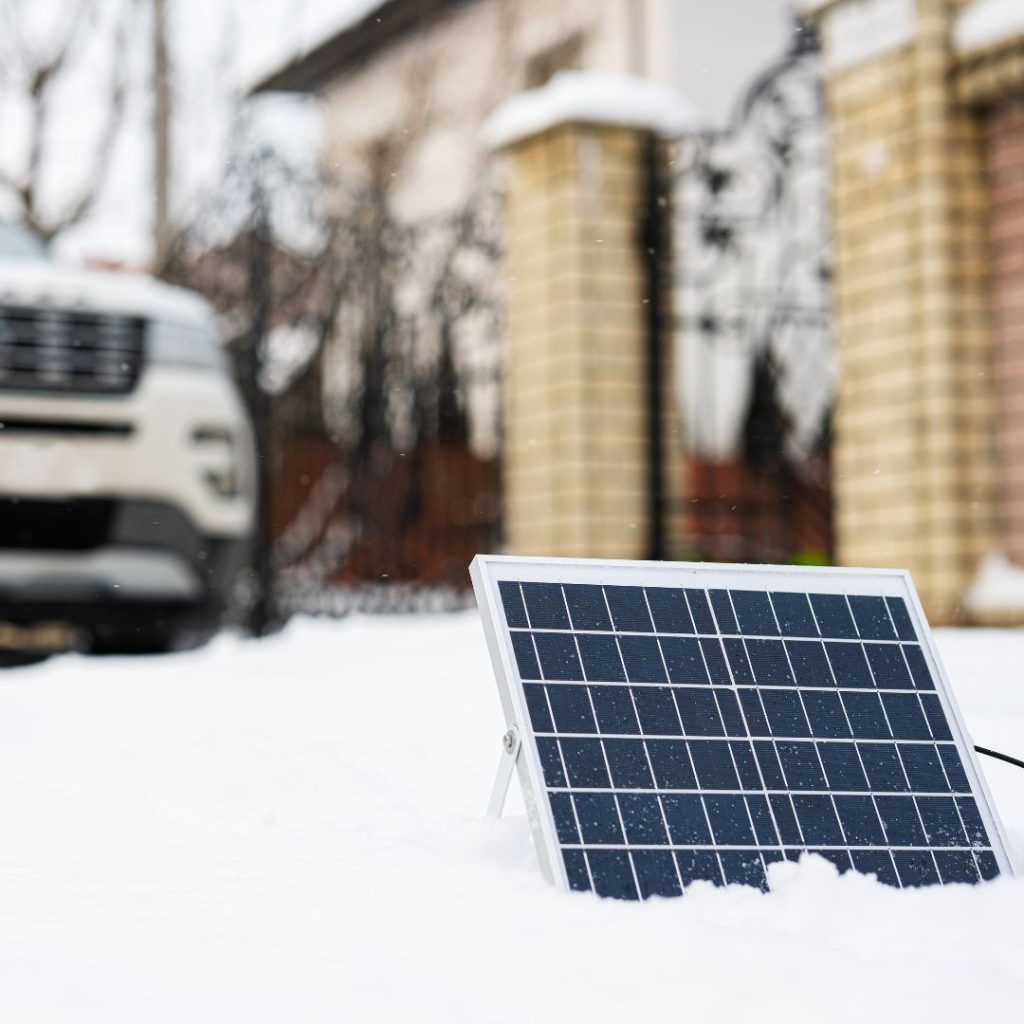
(989, 23)
(590, 97)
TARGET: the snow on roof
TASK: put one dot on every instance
(309, 27)
(40, 282)
(986, 22)
(593, 98)
(811, 6)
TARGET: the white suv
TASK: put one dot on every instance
(126, 458)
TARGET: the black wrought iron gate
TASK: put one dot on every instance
(755, 351)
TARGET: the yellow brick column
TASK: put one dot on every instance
(914, 460)
(576, 392)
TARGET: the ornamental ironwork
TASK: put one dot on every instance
(755, 345)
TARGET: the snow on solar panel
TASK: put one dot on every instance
(682, 722)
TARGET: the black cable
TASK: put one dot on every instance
(998, 756)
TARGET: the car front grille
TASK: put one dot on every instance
(58, 525)
(47, 350)
(83, 524)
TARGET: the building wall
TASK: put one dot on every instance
(433, 90)
(915, 456)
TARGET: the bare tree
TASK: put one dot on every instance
(36, 70)
(388, 305)
(161, 135)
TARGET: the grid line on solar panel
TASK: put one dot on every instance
(831, 779)
(834, 616)
(722, 735)
(783, 663)
(607, 766)
(977, 854)
(650, 768)
(856, 641)
(803, 847)
(907, 782)
(721, 821)
(781, 713)
(709, 791)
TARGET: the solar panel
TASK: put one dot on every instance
(690, 722)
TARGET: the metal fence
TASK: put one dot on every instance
(755, 346)
(384, 506)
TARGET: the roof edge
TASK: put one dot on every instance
(351, 46)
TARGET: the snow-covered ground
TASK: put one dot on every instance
(293, 830)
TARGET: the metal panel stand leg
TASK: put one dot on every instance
(511, 744)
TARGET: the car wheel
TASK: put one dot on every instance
(19, 659)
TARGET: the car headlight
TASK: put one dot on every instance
(219, 454)
(175, 344)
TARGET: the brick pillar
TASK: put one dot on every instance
(1005, 131)
(576, 390)
(914, 459)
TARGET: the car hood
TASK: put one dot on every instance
(38, 283)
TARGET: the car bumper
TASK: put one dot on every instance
(78, 554)
(180, 439)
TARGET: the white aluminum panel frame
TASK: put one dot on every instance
(487, 570)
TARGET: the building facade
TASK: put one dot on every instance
(923, 103)
(925, 124)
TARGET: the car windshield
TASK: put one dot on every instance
(19, 244)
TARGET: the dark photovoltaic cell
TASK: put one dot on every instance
(692, 734)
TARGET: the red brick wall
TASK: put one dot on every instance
(1005, 131)
(737, 515)
(298, 465)
(432, 511)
